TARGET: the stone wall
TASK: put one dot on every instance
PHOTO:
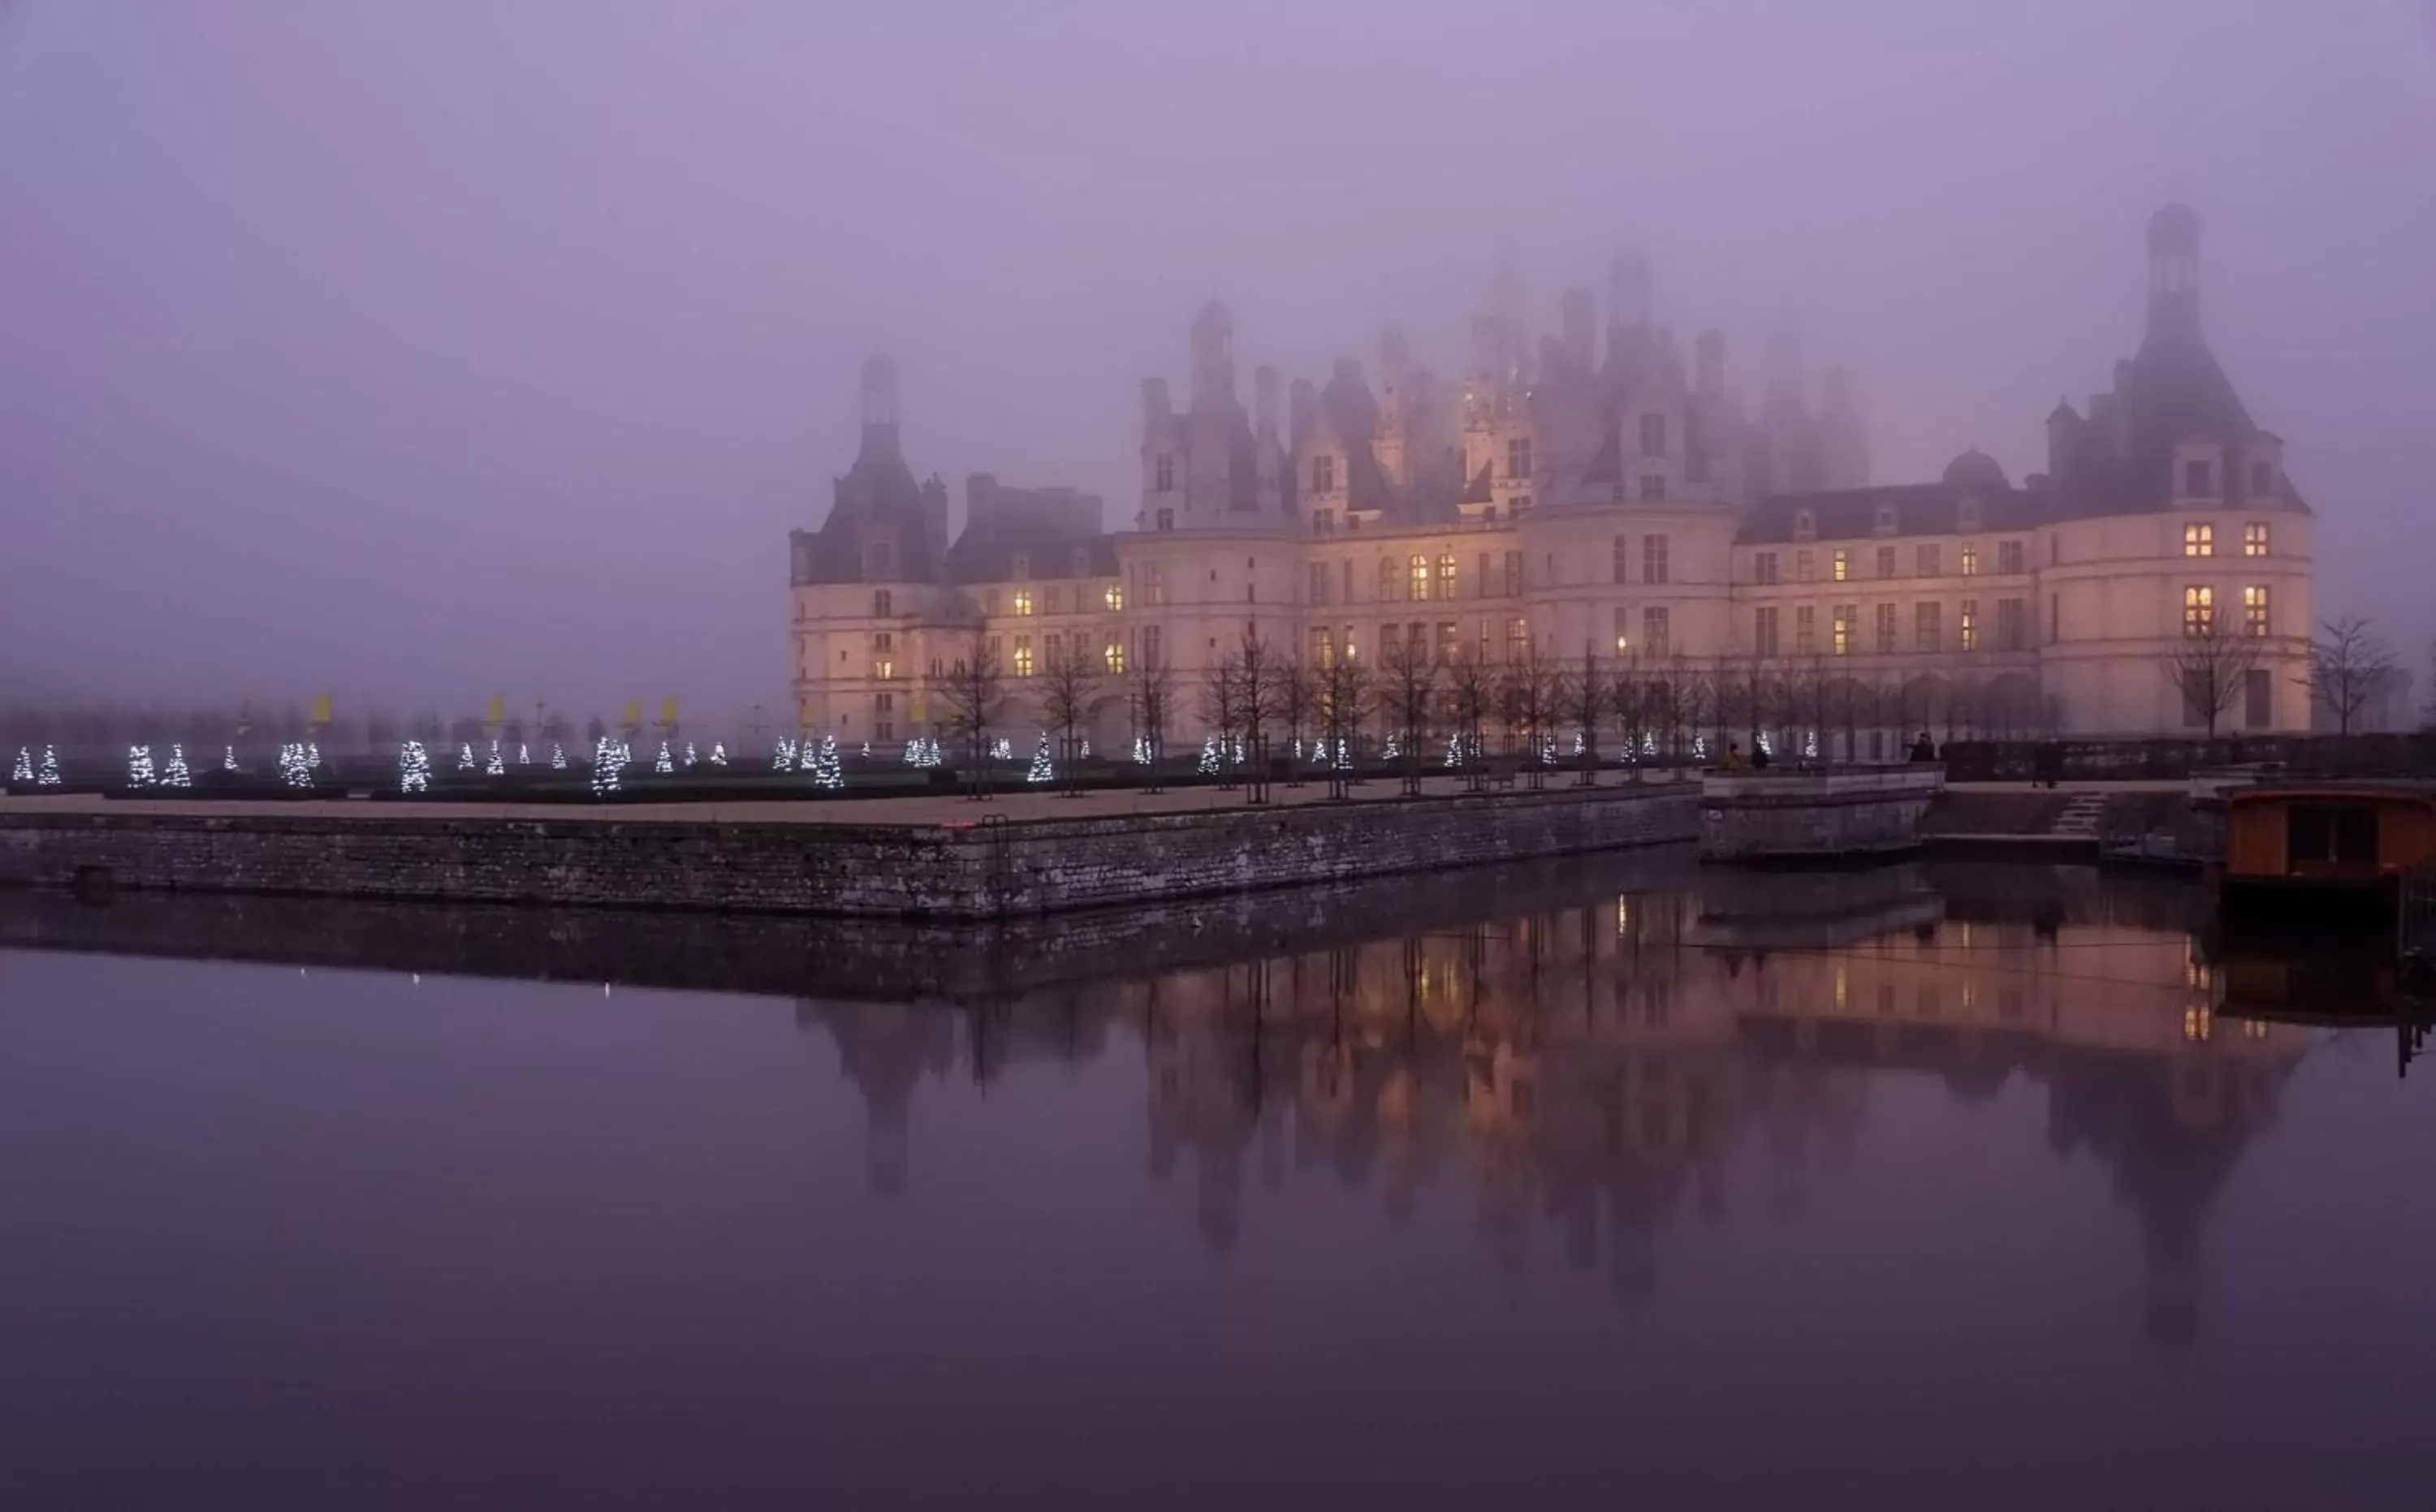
(988, 869)
(1768, 816)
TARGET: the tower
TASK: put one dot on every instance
(1213, 356)
(879, 438)
(2173, 272)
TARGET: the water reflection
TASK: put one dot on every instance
(1583, 1076)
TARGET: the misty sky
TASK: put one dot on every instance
(424, 351)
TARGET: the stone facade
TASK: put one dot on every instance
(972, 871)
(1620, 505)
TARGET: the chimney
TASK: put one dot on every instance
(879, 438)
(2174, 274)
(1264, 404)
(1709, 364)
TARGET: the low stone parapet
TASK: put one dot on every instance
(1752, 816)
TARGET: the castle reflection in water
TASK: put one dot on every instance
(1585, 1075)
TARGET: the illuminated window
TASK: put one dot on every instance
(2199, 540)
(2254, 617)
(1419, 570)
(1112, 651)
(883, 668)
(1446, 641)
(1841, 629)
(2198, 1024)
(1971, 561)
(2253, 539)
(1969, 627)
(1023, 600)
(1842, 565)
(1323, 647)
(1024, 655)
(1113, 596)
(1518, 637)
(2199, 610)
(1446, 575)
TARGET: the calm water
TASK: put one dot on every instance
(1934, 1189)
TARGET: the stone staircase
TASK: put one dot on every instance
(2080, 818)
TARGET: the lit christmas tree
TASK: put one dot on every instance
(666, 763)
(783, 759)
(1394, 749)
(465, 758)
(608, 766)
(1209, 764)
(1043, 769)
(228, 759)
(295, 770)
(826, 771)
(557, 758)
(313, 755)
(718, 754)
(1087, 748)
(1141, 750)
(139, 766)
(689, 756)
(50, 773)
(497, 766)
(866, 747)
(175, 775)
(524, 755)
(413, 767)
(1454, 750)
(25, 769)
(1003, 749)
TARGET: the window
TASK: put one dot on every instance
(2254, 540)
(1164, 520)
(1805, 630)
(1022, 566)
(2257, 699)
(2262, 479)
(1518, 457)
(1112, 653)
(1483, 640)
(1971, 561)
(1323, 474)
(1058, 599)
(1842, 565)
(2255, 619)
(1886, 519)
(1886, 621)
(1622, 560)
(883, 603)
(1150, 644)
(1420, 575)
(1323, 647)
(1023, 600)
(1623, 629)
(1654, 639)
(1055, 646)
(1928, 560)
(1323, 522)
(1446, 576)
(1518, 637)
(2199, 479)
(1927, 628)
(1764, 569)
(1522, 506)
(2011, 633)
(1653, 488)
(1387, 641)
(1513, 574)
(1024, 655)
(1165, 480)
(883, 641)
(1885, 561)
(1803, 569)
(989, 601)
(1969, 627)
(1113, 597)
(2199, 540)
(880, 560)
(1805, 525)
(1446, 641)
(1653, 558)
(1319, 583)
(883, 668)
(1388, 582)
(2199, 610)
(2008, 556)
(1763, 630)
(1840, 628)
(1153, 585)
(1653, 435)
(1966, 515)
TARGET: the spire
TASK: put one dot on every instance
(2174, 274)
(878, 407)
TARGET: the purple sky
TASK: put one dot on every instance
(420, 352)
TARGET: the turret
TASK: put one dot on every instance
(1213, 356)
(880, 436)
(2174, 274)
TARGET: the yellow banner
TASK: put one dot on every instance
(669, 712)
(320, 709)
(497, 711)
(634, 714)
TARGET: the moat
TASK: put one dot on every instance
(1611, 1180)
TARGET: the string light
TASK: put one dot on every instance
(295, 770)
(1043, 769)
(826, 771)
(25, 768)
(228, 759)
(866, 747)
(139, 766)
(1209, 764)
(524, 755)
(313, 755)
(1002, 749)
(608, 765)
(465, 758)
(175, 775)
(665, 764)
(50, 774)
(557, 758)
(689, 756)
(413, 767)
(718, 754)
(497, 766)
(783, 759)
(1141, 750)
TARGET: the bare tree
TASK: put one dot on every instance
(1528, 700)
(1411, 689)
(1468, 696)
(1297, 701)
(1222, 710)
(1631, 696)
(2349, 665)
(1346, 695)
(1150, 688)
(1070, 679)
(2210, 667)
(973, 690)
(1582, 697)
(1259, 695)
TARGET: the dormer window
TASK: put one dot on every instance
(2198, 479)
(1518, 457)
(1323, 475)
(1966, 516)
(1165, 480)
(880, 560)
(1806, 525)
(2262, 479)
(1022, 566)
(1082, 561)
(1885, 523)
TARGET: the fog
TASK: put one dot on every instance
(420, 353)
